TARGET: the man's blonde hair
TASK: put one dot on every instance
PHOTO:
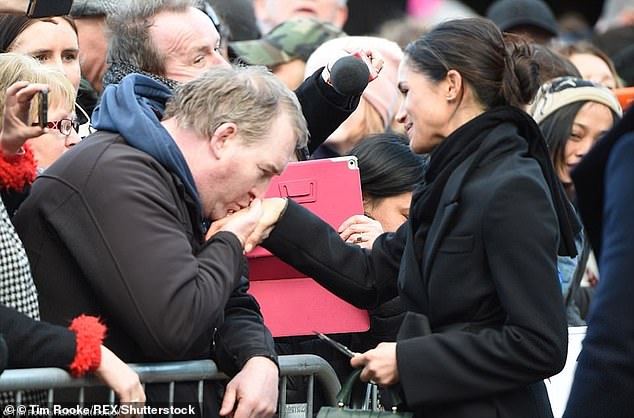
(251, 97)
(17, 67)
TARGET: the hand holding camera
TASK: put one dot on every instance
(16, 126)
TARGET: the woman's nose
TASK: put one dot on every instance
(72, 139)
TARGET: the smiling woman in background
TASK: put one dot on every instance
(573, 114)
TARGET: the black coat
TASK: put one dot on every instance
(26, 343)
(489, 287)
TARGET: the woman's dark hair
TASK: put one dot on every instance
(499, 68)
(557, 128)
(552, 64)
(387, 166)
(11, 26)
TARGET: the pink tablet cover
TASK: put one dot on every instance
(293, 304)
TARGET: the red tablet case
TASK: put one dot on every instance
(291, 303)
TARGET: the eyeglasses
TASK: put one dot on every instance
(65, 126)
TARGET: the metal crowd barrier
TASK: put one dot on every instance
(50, 379)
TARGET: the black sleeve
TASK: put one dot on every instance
(323, 108)
(4, 354)
(31, 343)
(362, 278)
(13, 198)
(243, 334)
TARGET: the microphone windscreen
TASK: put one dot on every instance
(349, 76)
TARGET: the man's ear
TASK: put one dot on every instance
(454, 85)
(223, 136)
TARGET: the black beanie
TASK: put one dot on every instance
(10, 27)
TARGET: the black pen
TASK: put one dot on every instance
(345, 350)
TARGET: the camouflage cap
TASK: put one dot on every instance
(295, 38)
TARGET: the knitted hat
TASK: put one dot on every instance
(562, 91)
(11, 26)
(95, 7)
(507, 14)
(292, 39)
(382, 93)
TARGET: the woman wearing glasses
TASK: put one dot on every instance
(61, 134)
(26, 148)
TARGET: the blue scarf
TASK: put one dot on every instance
(134, 108)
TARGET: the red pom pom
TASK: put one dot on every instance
(17, 171)
(90, 334)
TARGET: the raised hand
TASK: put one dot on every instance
(16, 126)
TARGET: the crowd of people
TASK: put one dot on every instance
(138, 139)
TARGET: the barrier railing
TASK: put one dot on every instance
(50, 379)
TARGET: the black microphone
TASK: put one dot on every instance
(349, 76)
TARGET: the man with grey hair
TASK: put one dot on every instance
(174, 40)
(118, 228)
(169, 40)
(270, 13)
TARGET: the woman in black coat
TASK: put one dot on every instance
(475, 265)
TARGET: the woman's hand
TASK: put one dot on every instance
(373, 59)
(241, 223)
(379, 365)
(272, 208)
(16, 127)
(120, 378)
(360, 230)
(252, 225)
